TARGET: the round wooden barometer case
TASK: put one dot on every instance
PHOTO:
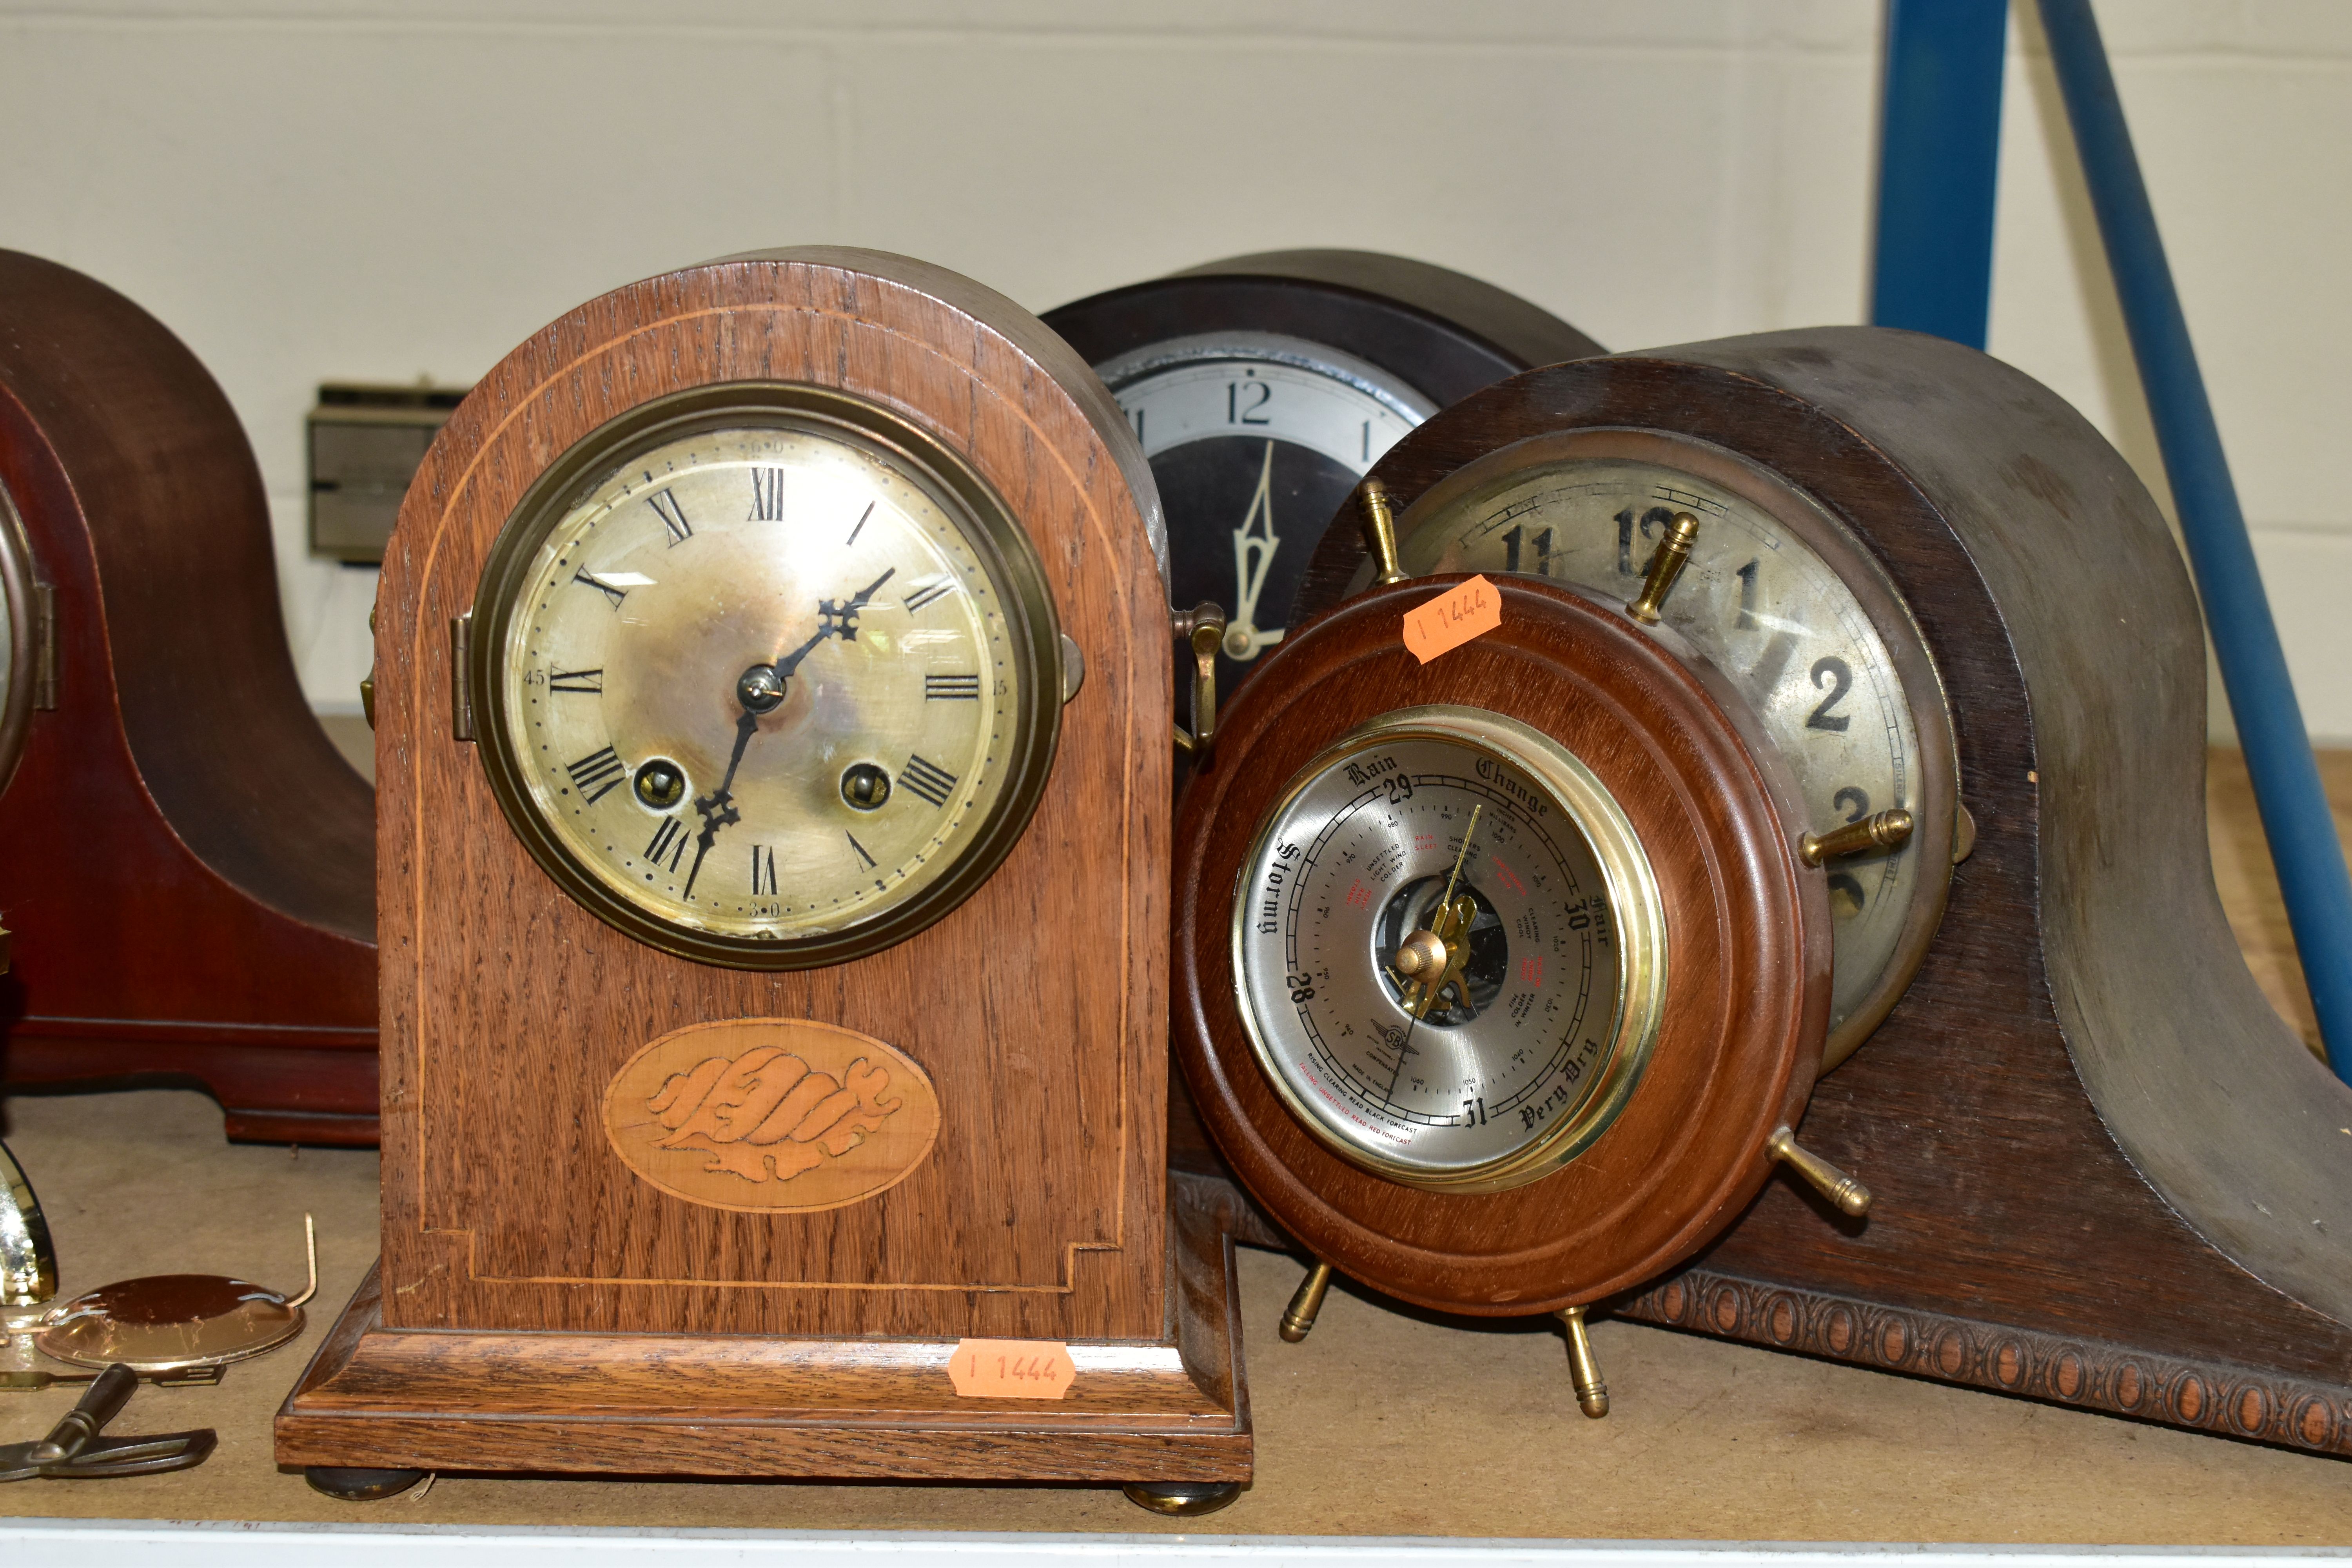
(1500, 971)
(1263, 386)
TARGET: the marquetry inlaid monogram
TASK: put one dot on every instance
(771, 1114)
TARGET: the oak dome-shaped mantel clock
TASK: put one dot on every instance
(772, 705)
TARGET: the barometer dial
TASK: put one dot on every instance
(763, 684)
(1779, 599)
(1451, 950)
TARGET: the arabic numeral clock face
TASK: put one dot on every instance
(1451, 950)
(1256, 440)
(1779, 599)
(763, 669)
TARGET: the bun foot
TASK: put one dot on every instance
(1185, 1500)
(360, 1486)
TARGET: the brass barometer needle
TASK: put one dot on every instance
(1428, 995)
(760, 690)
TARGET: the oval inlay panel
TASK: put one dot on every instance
(777, 1115)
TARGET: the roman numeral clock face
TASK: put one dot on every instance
(763, 691)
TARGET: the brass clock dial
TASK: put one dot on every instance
(769, 679)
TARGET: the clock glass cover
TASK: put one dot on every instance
(763, 673)
(1271, 432)
(1510, 1040)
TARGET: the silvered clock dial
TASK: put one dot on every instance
(1780, 598)
(1263, 387)
(1270, 432)
(768, 678)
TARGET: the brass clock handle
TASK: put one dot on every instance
(1379, 532)
(1202, 629)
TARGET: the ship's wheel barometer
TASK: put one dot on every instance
(1602, 799)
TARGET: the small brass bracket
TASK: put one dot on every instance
(1591, 1393)
(1849, 1195)
(1074, 669)
(1380, 531)
(367, 681)
(461, 697)
(1879, 830)
(1201, 629)
(1666, 563)
(1299, 1318)
(44, 648)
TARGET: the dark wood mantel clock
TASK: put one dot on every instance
(1922, 590)
(185, 864)
(773, 708)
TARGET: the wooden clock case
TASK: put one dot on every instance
(1445, 333)
(188, 872)
(539, 1307)
(2107, 1175)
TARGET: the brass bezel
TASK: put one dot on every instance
(1634, 894)
(1841, 548)
(996, 537)
(26, 645)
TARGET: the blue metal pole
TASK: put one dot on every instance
(2296, 818)
(1938, 166)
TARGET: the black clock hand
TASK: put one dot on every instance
(718, 807)
(758, 690)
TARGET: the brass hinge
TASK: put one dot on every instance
(461, 700)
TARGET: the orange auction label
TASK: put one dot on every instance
(1011, 1369)
(1464, 611)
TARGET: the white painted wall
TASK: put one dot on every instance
(311, 190)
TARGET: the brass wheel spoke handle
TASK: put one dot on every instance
(1299, 1318)
(1201, 629)
(1584, 1373)
(1879, 830)
(1666, 563)
(1849, 1195)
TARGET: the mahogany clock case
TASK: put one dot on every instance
(523, 1258)
(1747, 951)
(2106, 1173)
(188, 870)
